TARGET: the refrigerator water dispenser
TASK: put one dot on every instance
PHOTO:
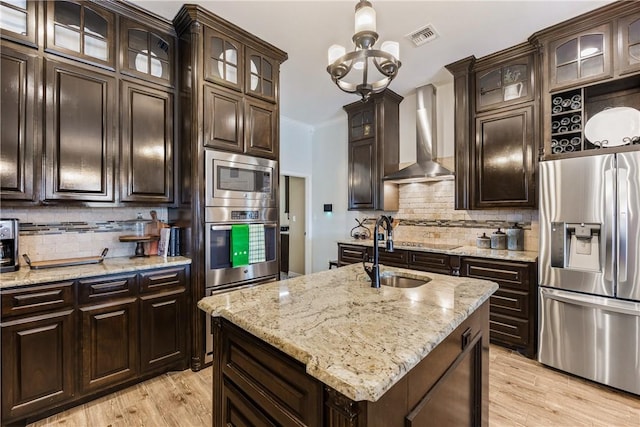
(575, 246)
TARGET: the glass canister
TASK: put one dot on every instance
(498, 240)
(515, 238)
(483, 241)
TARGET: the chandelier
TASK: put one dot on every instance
(365, 61)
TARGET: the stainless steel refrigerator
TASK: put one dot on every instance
(589, 312)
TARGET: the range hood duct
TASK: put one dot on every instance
(425, 168)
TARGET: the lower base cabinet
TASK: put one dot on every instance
(70, 341)
(256, 384)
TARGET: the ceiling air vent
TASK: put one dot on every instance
(423, 35)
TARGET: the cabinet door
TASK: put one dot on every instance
(507, 84)
(260, 128)
(163, 329)
(17, 143)
(146, 53)
(18, 21)
(350, 254)
(261, 76)
(362, 174)
(38, 363)
(79, 135)
(81, 30)
(503, 164)
(109, 344)
(223, 59)
(581, 58)
(223, 119)
(362, 124)
(629, 44)
(146, 167)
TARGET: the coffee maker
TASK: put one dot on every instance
(9, 245)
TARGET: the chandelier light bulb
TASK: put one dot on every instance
(335, 52)
(392, 48)
(365, 17)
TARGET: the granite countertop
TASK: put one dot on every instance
(26, 276)
(354, 338)
(523, 256)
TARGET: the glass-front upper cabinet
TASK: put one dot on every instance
(261, 76)
(222, 59)
(581, 58)
(629, 44)
(81, 30)
(505, 84)
(18, 20)
(146, 53)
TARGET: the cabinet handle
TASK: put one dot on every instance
(466, 338)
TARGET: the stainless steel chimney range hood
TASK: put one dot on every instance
(425, 168)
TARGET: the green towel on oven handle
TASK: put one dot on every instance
(239, 245)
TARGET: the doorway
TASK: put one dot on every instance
(293, 225)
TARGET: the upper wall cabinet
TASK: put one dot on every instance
(146, 53)
(81, 30)
(223, 59)
(581, 58)
(17, 103)
(507, 84)
(18, 21)
(629, 43)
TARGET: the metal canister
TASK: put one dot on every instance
(515, 238)
(483, 241)
(498, 240)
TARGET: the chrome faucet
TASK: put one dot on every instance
(374, 271)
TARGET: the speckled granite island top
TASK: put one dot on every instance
(356, 339)
(26, 276)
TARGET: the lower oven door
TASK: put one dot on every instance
(208, 347)
(219, 269)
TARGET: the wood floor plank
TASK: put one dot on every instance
(522, 393)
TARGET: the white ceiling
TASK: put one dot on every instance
(305, 29)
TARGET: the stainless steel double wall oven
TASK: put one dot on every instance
(239, 190)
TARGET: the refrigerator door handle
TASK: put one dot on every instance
(606, 304)
(609, 221)
(623, 222)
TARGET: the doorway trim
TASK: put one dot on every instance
(307, 213)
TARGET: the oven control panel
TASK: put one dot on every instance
(243, 215)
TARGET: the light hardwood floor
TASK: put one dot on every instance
(521, 393)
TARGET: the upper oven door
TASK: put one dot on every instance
(238, 180)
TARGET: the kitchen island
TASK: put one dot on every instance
(327, 349)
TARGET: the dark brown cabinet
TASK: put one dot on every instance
(79, 142)
(81, 30)
(628, 54)
(38, 342)
(17, 105)
(223, 59)
(261, 128)
(430, 261)
(19, 21)
(496, 138)
(504, 159)
(146, 52)
(513, 307)
(223, 119)
(351, 254)
(146, 149)
(262, 75)
(67, 341)
(373, 150)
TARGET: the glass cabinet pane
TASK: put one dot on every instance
(80, 29)
(225, 58)
(95, 24)
(68, 14)
(591, 44)
(592, 66)
(66, 38)
(565, 73)
(148, 53)
(567, 52)
(254, 63)
(633, 31)
(13, 20)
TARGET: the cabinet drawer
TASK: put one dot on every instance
(348, 254)
(277, 384)
(106, 288)
(397, 258)
(30, 300)
(161, 280)
(505, 273)
(511, 303)
(428, 261)
(508, 330)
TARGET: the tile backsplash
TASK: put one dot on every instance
(427, 214)
(68, 232)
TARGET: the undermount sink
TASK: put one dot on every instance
(399, 281)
